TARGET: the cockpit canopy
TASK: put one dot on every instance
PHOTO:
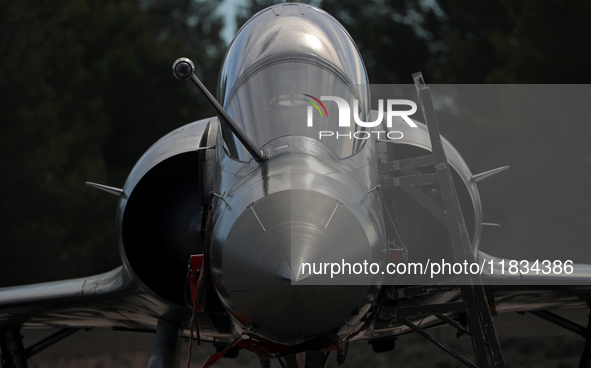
(279, 56)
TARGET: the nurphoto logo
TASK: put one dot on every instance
(344, 118)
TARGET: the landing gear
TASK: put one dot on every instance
(165, 346)
(383, 345)
(586, 355)
(14, 355)
(13, 351)
(311, 359)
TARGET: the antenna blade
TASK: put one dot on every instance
(490, 224)
(111, 190)
(487, 174)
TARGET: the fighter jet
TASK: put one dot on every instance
(231, 229)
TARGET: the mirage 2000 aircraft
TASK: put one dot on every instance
(232, 229)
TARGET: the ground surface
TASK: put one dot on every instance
(527, 341)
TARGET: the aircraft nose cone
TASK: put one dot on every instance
(262, 259)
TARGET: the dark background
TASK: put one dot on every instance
(86, 88)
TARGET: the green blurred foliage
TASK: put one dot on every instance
(548, 42)
(388, 34)
(459, 41)
(86, 88)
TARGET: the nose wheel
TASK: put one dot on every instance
(315, 359)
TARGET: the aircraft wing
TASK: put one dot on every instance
(110, 299)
